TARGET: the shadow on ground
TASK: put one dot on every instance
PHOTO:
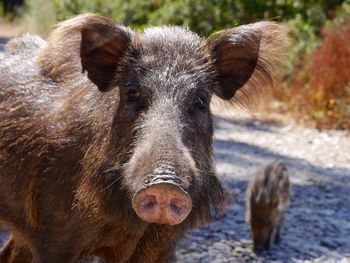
(3, 41)
(317, 224)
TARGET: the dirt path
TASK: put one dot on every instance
(318, 220)
(3, 41)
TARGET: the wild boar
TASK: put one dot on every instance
(106, 134)
(267, 200)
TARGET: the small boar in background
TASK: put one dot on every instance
(267, 199)
(106, 135)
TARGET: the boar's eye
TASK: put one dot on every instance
(133, 95)
(134, 100)
(201, 105)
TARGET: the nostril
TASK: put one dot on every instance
(162, 203)
(149, 201)
(175, 207)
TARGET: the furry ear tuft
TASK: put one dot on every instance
(101, 48)
(88, 42)
(247, 58)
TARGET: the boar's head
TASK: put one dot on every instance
(158, 85)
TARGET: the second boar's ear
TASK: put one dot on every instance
(102, 47)
(247, 56)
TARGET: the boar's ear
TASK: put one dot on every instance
(247, 56)
(102, 46)
(88, 42)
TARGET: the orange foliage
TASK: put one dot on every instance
(330, 68)
(320, 91)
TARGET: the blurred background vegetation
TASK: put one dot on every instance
(316, 82)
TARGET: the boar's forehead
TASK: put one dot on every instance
(173, 60)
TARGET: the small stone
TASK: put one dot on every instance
(329, 243)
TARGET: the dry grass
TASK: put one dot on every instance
(8, 30)
(320, 92)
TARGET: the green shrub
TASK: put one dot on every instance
(39, 16)
(201, 16)
(305, 97)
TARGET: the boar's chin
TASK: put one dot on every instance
(209, 201)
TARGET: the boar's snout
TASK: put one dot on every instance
(260, 248)
(262, 242)
(162, 203)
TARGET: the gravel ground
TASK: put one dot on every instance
(3, 40)
(317, 228)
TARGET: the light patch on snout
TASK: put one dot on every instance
(162, 203)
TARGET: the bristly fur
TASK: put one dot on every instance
(61, 57)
